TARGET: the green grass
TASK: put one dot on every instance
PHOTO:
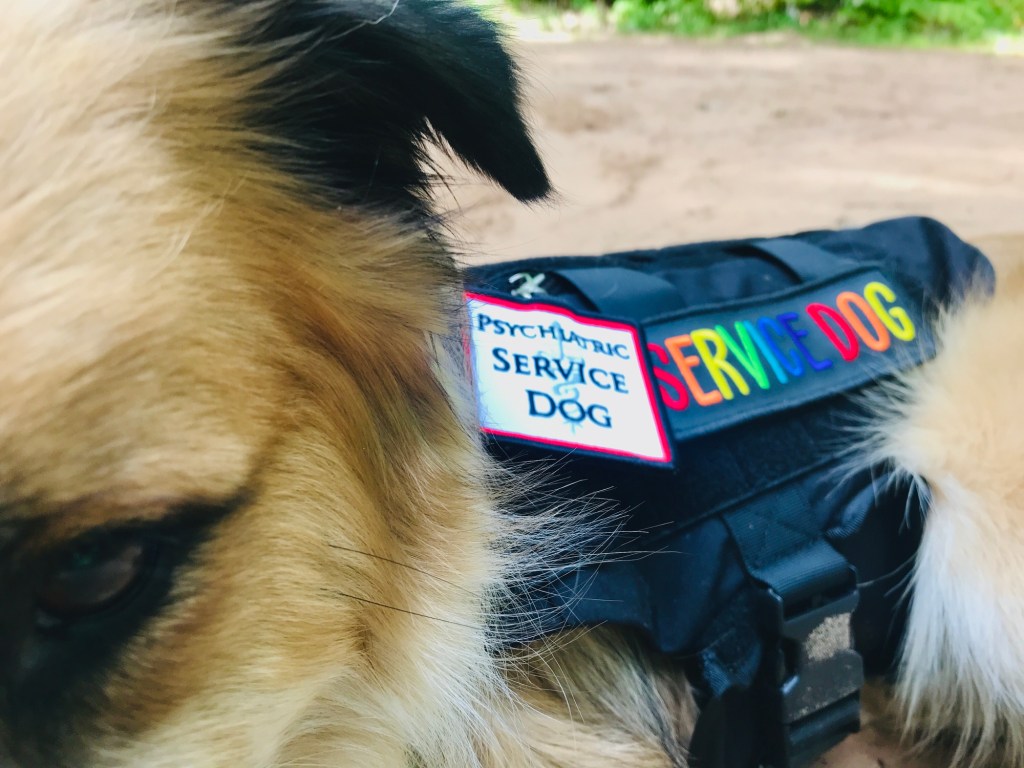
(878, 22)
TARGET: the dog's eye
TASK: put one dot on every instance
(91, 576)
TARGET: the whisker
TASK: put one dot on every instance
(428, 574)
(366, 600)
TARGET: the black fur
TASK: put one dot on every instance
(367, 83)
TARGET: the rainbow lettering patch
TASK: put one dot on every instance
(717, 368)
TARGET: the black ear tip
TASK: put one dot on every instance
(533, 193)
(470, 91)
(384, 79)
(498, 144)
(529, 181)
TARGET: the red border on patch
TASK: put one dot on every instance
(666, 453)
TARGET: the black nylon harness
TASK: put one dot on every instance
(774, 566)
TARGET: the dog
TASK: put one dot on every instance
(247, 518)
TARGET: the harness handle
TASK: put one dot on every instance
(621, 292)
(634, 295)
(808, 262)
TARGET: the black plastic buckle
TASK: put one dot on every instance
(814, 697)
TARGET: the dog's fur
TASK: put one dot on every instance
(231, 332)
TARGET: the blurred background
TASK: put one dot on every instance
(668, 121)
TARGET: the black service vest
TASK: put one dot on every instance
(714, 396)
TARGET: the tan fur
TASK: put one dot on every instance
(958, 427)
(178, 321)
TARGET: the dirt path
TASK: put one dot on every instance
(653, 141)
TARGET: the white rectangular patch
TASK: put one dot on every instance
(547, 375)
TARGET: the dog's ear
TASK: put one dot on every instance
(359, 87)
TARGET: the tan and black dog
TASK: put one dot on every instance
(245, 517)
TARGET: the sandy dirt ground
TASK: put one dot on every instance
(651, 142)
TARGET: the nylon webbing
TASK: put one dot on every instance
(624, 293)
(782, 547)
(780, 542)
(806, 261)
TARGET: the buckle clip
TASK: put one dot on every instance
(817, 676)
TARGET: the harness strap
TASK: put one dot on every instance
(621, 292)
(636, 295)
(806, 696)
(808, 262)
(779, 538)
(725, 736)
